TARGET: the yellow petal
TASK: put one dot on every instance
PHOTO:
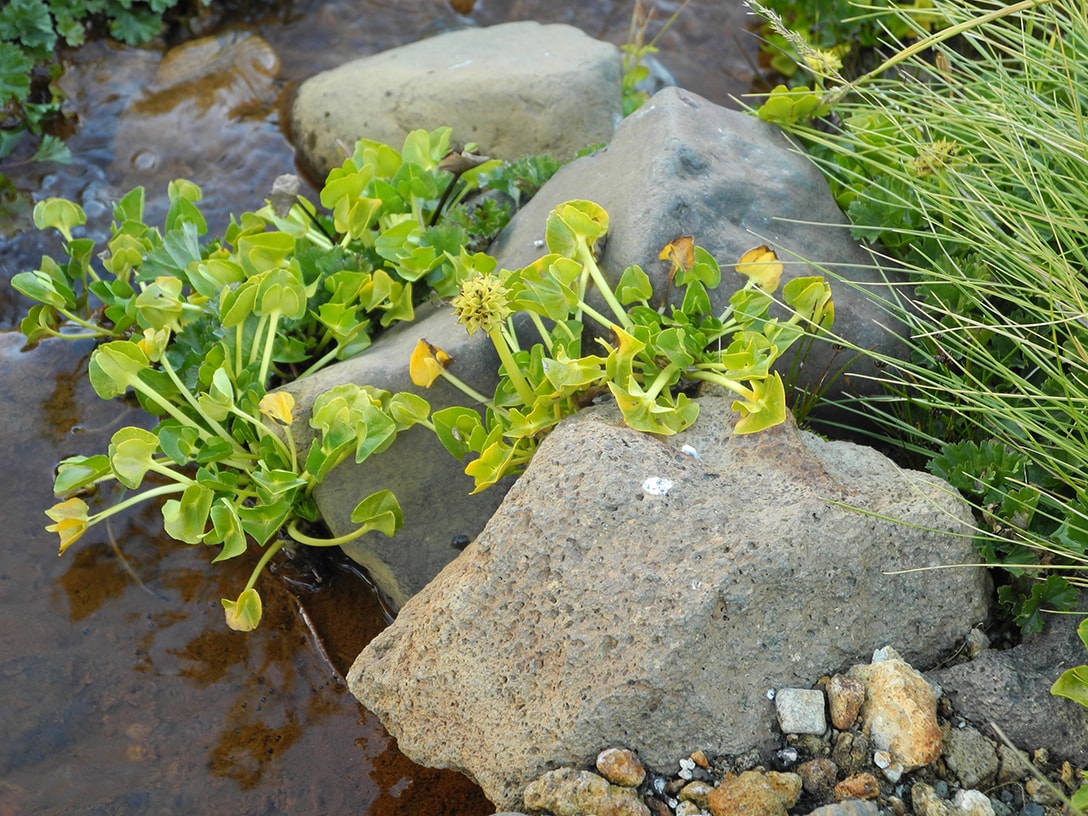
(278, 406)
(762, 267)
(427, 363)
(71, 521)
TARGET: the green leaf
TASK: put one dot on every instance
(455, 428)
(1073, 684)
(15, 68)
(79, 472)
(60, 214)
(226, 530)
(244, 614)
(634, 286)
(28, 22)
(764, 408)
(41, 287)
(115, 366)
(52, 149)
(407, 409)
(131, 452)
(379, 511)
(187, 519)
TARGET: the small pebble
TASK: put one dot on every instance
(858, 786)
(621, 767)
(800, 711)
(699, 758)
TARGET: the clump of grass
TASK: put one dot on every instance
(966, 158)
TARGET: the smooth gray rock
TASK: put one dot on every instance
(429, 483)
(515, 89)
(682, 165)
(1012, 689)
(590, 612)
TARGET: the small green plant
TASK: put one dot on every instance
(651, 359)
(635, 52)
(198, 334)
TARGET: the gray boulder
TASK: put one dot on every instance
(515, 89)
(682, 165)
(630, 592)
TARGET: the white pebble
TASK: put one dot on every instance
(656, 486)
(690, 451)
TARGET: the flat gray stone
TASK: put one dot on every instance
(515, 89)
(593, 611)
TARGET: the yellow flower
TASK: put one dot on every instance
(482, 303)
(278, 406)
(71, 521)
(426, 363)
(934, 156)
(823, 63)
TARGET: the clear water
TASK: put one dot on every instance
(123, 691)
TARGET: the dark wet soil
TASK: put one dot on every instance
(123, 690)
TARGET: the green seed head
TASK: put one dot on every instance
(482, 303)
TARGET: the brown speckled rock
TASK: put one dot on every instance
(568, 792)
(620, 767)
(845, 695)
(900, 711)
(755, 794)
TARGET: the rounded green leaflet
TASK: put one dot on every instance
(59, 213)
(115, 366)
(131, 452)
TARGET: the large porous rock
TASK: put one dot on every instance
(515, 89)
(632, 591)
(682, 165)
(431, 486)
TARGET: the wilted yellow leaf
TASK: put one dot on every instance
(680, 251)
(762, 267)
(427, 363)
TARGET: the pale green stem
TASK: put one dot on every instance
(310, 541)
(521, 385)
(162, 490)
(663, 377)
(725, 382)
(219, 430)
(262, 323)
(585, 255)
(274, 548)
(269, 342)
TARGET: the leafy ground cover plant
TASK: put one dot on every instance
(966, 160)
(200, 332)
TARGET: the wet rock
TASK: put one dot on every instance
(199, 95)
(800, 711)
(857, 786)
(515, 89)
(621, 767)
(845, 695)
(681, 165)
(755, 794)
(589, 612)
(568, 792)
(900, 710)
(818, 776)
(1011, 687)
(970, 755)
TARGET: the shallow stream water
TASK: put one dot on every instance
(123, 690)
